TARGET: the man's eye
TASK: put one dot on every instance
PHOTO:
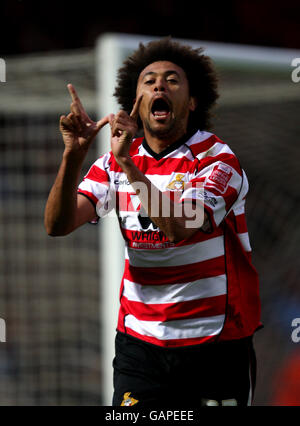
(149, 81)
(172, 80)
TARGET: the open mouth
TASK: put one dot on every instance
(160, 109)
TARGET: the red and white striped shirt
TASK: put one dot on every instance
(200, 289)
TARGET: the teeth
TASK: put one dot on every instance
(161, 113)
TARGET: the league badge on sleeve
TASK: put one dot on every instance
(220, 177)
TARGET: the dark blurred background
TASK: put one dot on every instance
(33, 26)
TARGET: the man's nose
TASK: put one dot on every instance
(159, 86)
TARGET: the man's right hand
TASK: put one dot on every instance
(77, 129)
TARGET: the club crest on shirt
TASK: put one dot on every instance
(177, 184)
(128, 401)
(220, 177)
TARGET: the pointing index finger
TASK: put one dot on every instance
(135, 111)
(73, 94)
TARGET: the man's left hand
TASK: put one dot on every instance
(123, 129)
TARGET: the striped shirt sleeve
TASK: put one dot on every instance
(96, 186)
(218, 184)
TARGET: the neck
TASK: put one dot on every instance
(159, 143)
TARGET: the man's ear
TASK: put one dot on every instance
(193, 103)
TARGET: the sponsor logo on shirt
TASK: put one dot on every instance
(208, 199)
(121, 182)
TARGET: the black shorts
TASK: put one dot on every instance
(147, 375)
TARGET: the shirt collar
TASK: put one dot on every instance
(169, 149)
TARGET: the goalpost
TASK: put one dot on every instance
(111, 50)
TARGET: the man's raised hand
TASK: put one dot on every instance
(123, 129)
(77, 129)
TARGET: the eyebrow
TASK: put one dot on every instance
(169, 72)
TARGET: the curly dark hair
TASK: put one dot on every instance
(198, 68)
